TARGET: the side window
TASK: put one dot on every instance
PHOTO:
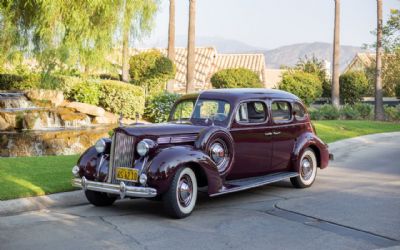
(251, 112)
(281, 111)
(299, 112)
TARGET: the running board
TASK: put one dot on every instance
(252, 182)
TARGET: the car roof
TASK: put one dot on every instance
(238, 94)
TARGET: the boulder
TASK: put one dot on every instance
(101, 120)
(7, 121)
(86, 108)
(54, 96)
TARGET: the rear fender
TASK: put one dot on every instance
(310, 140)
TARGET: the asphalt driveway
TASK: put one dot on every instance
(354, 204)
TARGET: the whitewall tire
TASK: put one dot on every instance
(307, 170)
(180, 199)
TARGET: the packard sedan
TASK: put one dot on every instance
(216, 141)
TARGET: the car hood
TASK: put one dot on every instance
(163, 129)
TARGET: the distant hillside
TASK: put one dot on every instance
(274, 58)
(289, 55)
(221, 44)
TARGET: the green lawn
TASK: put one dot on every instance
(32, 176)
(330, 131)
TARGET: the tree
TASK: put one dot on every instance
(171, 36)
(353, 86)
(315, 66)
(306, 86)
(336, 56)
(379, 112)
(137, 21)
(191, 49)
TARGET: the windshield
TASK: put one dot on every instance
(206, 112)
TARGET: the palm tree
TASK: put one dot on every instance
(379, 112)
(191, 47)
(125, 44)
(336, 56)
(171, 31)
(171, 36)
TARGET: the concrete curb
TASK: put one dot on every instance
(74, 198)
(10, 207)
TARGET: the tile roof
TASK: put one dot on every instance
(363, 60)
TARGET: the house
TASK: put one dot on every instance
(361, 61)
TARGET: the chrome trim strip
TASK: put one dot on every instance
(111, 164)
(176, 139)
(122, 190)
(279, 177)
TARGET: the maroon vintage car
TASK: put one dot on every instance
(222, 140)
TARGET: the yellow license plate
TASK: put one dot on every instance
(126, 174)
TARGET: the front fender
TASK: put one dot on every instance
(166, 162)
(93, 166)
(310, 140)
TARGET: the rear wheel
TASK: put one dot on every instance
(307, 170)
(99, 199)
(180, 199)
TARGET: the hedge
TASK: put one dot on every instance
(121, 98)
(236, 78)
(353, 86)
(306, 86)
(159, 106)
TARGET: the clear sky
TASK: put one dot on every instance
(272, 23)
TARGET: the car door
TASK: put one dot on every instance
(253, 145)
(283, 134)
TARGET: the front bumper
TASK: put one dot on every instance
(122, 189)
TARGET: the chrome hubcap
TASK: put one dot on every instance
(219, 154)
(306, 168)
(185, 190)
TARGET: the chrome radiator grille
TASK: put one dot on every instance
(122, 153)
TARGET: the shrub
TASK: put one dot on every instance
(8, 81)
(325, 112)
(87, 92)
(159, 106)
(349, 112)
(306, 86)
(353, 86)
(397, 90)
(151, 70)
(121, 98)
(365, 110)
(392, 113)
(236, 78)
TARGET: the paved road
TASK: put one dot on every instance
(354, 204)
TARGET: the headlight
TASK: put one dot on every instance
(143, 148)
(100, 146)
(75, 171)
(143, 179)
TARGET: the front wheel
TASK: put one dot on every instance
(307, 170)
(99, 199)
(180, 199)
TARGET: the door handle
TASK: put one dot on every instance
(268, 134)
(276, 133)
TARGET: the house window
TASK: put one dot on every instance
(281, 111)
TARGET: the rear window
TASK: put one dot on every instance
(281, 111)
(299, 112)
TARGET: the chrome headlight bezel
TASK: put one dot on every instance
(143, 148)
(100, 146)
